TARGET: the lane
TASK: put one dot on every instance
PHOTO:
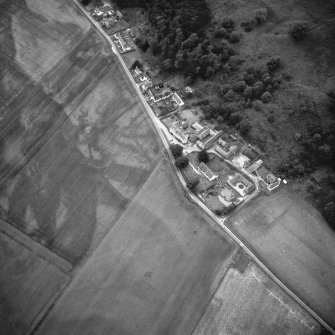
(192, 197)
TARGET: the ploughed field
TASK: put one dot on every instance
(248, 302)
(295, 242)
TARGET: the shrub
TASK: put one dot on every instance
(273, 63)
(176, 150)
(192, 182)
(247, 25)
(248, 92)
(203, 156)
(260, 15)
(181, 162)
(239, 86)
(229, 96)
(271, 118)
(234, 37)
(258, 89)
(228, 23)
(266, 97)
(221, 32)
(299, 31)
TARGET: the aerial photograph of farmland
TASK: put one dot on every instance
(167, 167)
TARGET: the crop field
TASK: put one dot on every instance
(29, 283)
(295, 242)
(250, 303)
(75, 145)
(154, 273)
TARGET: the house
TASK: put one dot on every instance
(177, 99)
(254, 166)
(213, 136)
(203, 133)
(178, 133)
(227, 150)
(241, 160)
(251, 153)
(241, 184)
(207, 172)
(268, 178)
(197, 127)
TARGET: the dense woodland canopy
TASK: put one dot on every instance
(179, 36)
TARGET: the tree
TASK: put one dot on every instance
(299, 31)
(176, 150)
(86, 2)
(260, 15)
(136, 64)
(234, 37)
(167, 65)
(192, 182)
(181, 162)
(228, 23)
(203, 156)
(329, 214)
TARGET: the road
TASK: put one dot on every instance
(193, 198)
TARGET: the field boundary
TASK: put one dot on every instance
(28, 242)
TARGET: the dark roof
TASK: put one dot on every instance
(251, 153)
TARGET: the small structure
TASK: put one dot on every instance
(241, 160)
(177, 99)
(270, 180)
(226, 150)
(207, 172)
(178, 132)
(241, 185)
(254, 166)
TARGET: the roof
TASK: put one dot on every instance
(251, 153)
(207, 172)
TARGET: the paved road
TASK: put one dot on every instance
(219, 221)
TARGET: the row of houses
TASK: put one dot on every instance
(124, 41)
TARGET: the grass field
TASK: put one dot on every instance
(250, 303)
(154, 272)
(75, 145)
(28, 285)
(295, 242)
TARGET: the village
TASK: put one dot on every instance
(233, 171)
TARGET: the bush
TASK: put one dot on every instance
(192, 182)
(229, 96)
(260, 15)
(234, 37)
(221, 32)
(273, 63)
(266, 97)
(299, 31)
(228, 23)
(248, 92)
(240, 86)
(247, 25)
(176, 150)
(181, 162)
(258, 89)
(271, 119)
(203, 156)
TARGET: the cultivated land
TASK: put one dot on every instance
(79, 161)
(29, 283)
(296, 243)
(154, 273)
(75, 145)
(242, 305)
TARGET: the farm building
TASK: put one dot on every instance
(227, 150)
(207, 172)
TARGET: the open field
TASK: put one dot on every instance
(296, 243)
(75, 144)
(29, 284)
(154, 272)
(250, 303)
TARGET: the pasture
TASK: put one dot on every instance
(248, 302)
(296, 243)
(154, 273)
